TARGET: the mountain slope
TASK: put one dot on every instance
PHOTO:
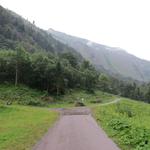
(14, 29)
(110, 59)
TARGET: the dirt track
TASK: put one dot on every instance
(76, 130)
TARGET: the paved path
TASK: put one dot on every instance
(112, 102)
(76, 130)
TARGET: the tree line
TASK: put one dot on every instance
(58, 73)
(46, 71)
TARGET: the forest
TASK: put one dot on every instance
(59, 73)
(31, 56)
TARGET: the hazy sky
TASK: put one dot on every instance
(118, 23)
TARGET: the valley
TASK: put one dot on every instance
(62, 92)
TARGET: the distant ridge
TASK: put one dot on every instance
(110, 59)
(14, 29)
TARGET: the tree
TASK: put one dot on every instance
(7, 66)
(71, 58)
(21, 59)
(85, 65)
(104, 82)
(40, 69)
(147, 95)
(59, 78)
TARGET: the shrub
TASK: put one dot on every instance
(22, 95)
(139, 138)
(119, 125)
(96, 101)
(33, 102)
(48, 99)
(125, 110)
(78, 104)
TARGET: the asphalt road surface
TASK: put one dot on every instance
(76, 130)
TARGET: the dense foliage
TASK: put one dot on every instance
(58, 73)
(126, 123)
(22, 95)
(45, 71)
(129, 89)
(31, 56)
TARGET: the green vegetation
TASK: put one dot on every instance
(60, 78)
(32, 57)
(89, 99)
(127, 122)
(59, 74)
(36, 69)
(21, 126)
(45, 71)
(10, 94)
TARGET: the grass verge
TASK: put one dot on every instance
(22, 126)
(127, 123)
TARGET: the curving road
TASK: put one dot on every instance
(112, 102)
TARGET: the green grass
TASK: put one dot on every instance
(77, 95)
(127, 123)
(22, 126)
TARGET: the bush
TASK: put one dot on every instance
(22, 95)
(126, 110)
(119, 125)
(130, 135)
(48, 99)
(78, 104)
(33, 102)
(96, 101)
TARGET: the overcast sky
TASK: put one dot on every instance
(118, 23)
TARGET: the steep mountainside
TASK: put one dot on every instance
(14, 29)
(109, 59)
